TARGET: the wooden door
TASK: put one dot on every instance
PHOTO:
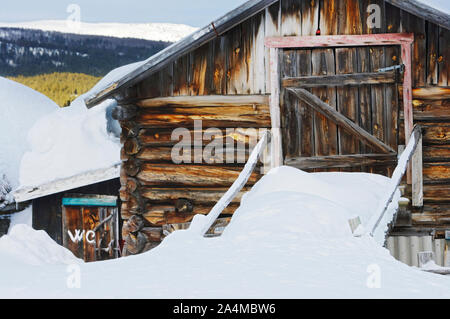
(359, 131)
(90, 227)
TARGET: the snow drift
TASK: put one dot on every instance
(20, 108)
(68, 142)
(33, 247)
(289, 239)
(71, 141)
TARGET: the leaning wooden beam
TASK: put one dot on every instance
(206, 100)
(348, 125)
(340, 79)
(396, 178)
(341, 161)
(417, 175)
(237, 186)
(339, 40)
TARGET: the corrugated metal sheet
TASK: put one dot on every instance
(405, 248)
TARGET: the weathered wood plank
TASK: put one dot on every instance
(444, 57)
(340, 119)
(204, 101)
(217, 156)
(189, 175)
(157, 137)
(433, 214)
(210, 117)
(310, 17)
(325, 131)
(340, 79)
(290, 125)
(291, 17)
(328, 18)
(162, 215)
(416, 25)
(275, 114)
(339, 40)
(436, 153)
(181, 76)
(257, 65)
(436, 172)
(342, 161)
(429, 93)
(197, 195)
(347, 99)
(436, 133)
(432, 53)
(364, 96)
(431, 110)
(272, 28)
(377, 60)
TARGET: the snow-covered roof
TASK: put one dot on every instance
(436, 11)
(64, 184)
(20, 108)
(70, 148)
(171, 53)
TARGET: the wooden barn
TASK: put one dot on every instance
(339, 83)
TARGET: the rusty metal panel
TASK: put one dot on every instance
(405, 248)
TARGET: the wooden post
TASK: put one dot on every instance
(407, 97)
(277, 151)
(417, 175)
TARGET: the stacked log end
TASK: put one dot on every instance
(159, 196)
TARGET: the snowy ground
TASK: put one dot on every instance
(289, 239)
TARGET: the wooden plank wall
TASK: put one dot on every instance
(47, 211)
(236, 63)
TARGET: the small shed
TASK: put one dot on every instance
(90, 226)
(340, 84)
(48, 202)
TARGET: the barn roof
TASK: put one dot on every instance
(64, 184)
(432, 11)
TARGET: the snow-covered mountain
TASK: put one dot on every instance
(167, 32)
(33, 48)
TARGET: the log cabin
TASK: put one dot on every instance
(340, 84)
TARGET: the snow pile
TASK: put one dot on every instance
(24, 217)
(33, 247)
(20, 108)
(70, 141)
(167, 32)
(289, 239)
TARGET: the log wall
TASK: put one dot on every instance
(236, 63)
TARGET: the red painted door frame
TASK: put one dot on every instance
(405, 40)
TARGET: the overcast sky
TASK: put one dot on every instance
(192, 12)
